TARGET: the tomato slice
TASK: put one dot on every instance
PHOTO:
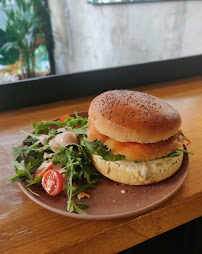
(52, 182)
(63, 118)
(43, 168)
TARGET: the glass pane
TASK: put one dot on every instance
(62, 39)
(24, 40)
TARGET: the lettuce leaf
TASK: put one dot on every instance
(97, 148)
(40, 128)
(172, 154)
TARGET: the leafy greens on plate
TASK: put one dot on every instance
(37, 159)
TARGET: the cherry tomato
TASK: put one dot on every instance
(52, 182)
(43, 168)
(63, 118)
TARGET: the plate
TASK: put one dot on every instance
(110, 200)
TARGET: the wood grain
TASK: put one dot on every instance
(26, 227)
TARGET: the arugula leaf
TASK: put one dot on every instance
(80, 130)
(25, 170)
(22, 150)
(172, 154)
(60, 157)
(34, 181)
(176, 153)
(19, 176)
(41, 128)
(78, 207)
(78, 123)
(34, 193)
(52, 132)
(29, 140)
(184, 151)
(22, 171)
(34, 136)
(35, 161)
(18, 165)
(97, 148)
(19, 150)
(58, 123)
(70, 174)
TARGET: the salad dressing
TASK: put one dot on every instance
(63, 139)
(42, 139)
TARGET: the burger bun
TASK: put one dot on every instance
(131, 116)
(141, 173)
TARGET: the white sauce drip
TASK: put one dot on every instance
(62, 129)
(45, 164)
(47, 155)
(42, 139)
(63, 139)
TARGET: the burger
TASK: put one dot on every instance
(134, 138)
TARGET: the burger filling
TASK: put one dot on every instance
(134, 151)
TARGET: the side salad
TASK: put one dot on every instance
(56, 157)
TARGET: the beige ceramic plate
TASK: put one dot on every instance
(110, 200)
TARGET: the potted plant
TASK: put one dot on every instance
(25, 26)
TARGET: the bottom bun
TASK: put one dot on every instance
(142, 173)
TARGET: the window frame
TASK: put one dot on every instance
(53, 88)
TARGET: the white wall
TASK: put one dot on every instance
(93, 37)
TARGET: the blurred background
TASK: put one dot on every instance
(47, 37)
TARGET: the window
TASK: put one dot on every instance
(25, 38)
(91, 48)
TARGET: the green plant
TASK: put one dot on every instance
(25, 23)
(7, 56)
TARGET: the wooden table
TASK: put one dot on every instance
(25, 227)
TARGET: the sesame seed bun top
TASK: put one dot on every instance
(131, 116)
